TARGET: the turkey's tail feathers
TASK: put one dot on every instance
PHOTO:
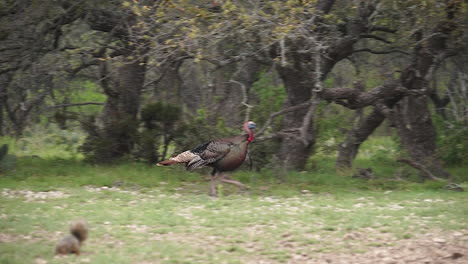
(166, 162)
(184, 157)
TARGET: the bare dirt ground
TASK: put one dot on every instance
(432, 248)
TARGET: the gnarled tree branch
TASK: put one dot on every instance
(75, 104)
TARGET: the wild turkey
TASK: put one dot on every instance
(225, 154)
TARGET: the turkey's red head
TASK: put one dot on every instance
(249, 127)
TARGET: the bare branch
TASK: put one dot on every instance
(381, 51)
(174, 65)
(282, 112)
(383, 29)
(83, 66)
(302, 133)
(221, 63)
(9, 48)
(97, 55)
(245, 99)
(370, 36)
(280, 134)
(354, 98)
(75, 104)
(283, 53)
(318, 67)
(104, 81)
(5, 70)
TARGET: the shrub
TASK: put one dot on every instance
(108, 144)
(453, 143)
(161, 126)
(7, 162)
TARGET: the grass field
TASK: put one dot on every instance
(145, 214)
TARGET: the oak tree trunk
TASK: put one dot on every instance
(418, 134)
(348, 150)
(293, 153)
(118, 119)
(2, 105)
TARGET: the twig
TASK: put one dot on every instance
(281, 112)
(245, 99)
(283, 53)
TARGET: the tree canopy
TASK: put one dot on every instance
(141, 76)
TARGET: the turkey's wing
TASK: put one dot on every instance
(215, 151)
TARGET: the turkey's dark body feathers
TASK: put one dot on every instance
(223, 154)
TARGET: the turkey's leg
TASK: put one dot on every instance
(226, 179)
(213, 184)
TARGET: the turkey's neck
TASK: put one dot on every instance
(251, 136)
(241, 139)
(249, 132)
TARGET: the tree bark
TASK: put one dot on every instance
(293, 153)
(1, 114)
(411, 116)
(118, 118)
(3, 86)
(417, 133)
(304, 72)
(348, 150)
(414, 122)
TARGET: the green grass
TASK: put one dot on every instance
(49, 142)
(146, 214)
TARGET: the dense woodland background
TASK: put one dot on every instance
(141, 80)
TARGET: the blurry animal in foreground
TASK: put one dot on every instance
(71, 243)
(225, 154)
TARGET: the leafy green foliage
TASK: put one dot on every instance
(160, 115)
(161, 126)
(453, 142)
(261, 155)
(104, 145)
(268, 98)
(47, 142)
(79, 91)
(200, 129)
(148, 146)
(330, 128)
